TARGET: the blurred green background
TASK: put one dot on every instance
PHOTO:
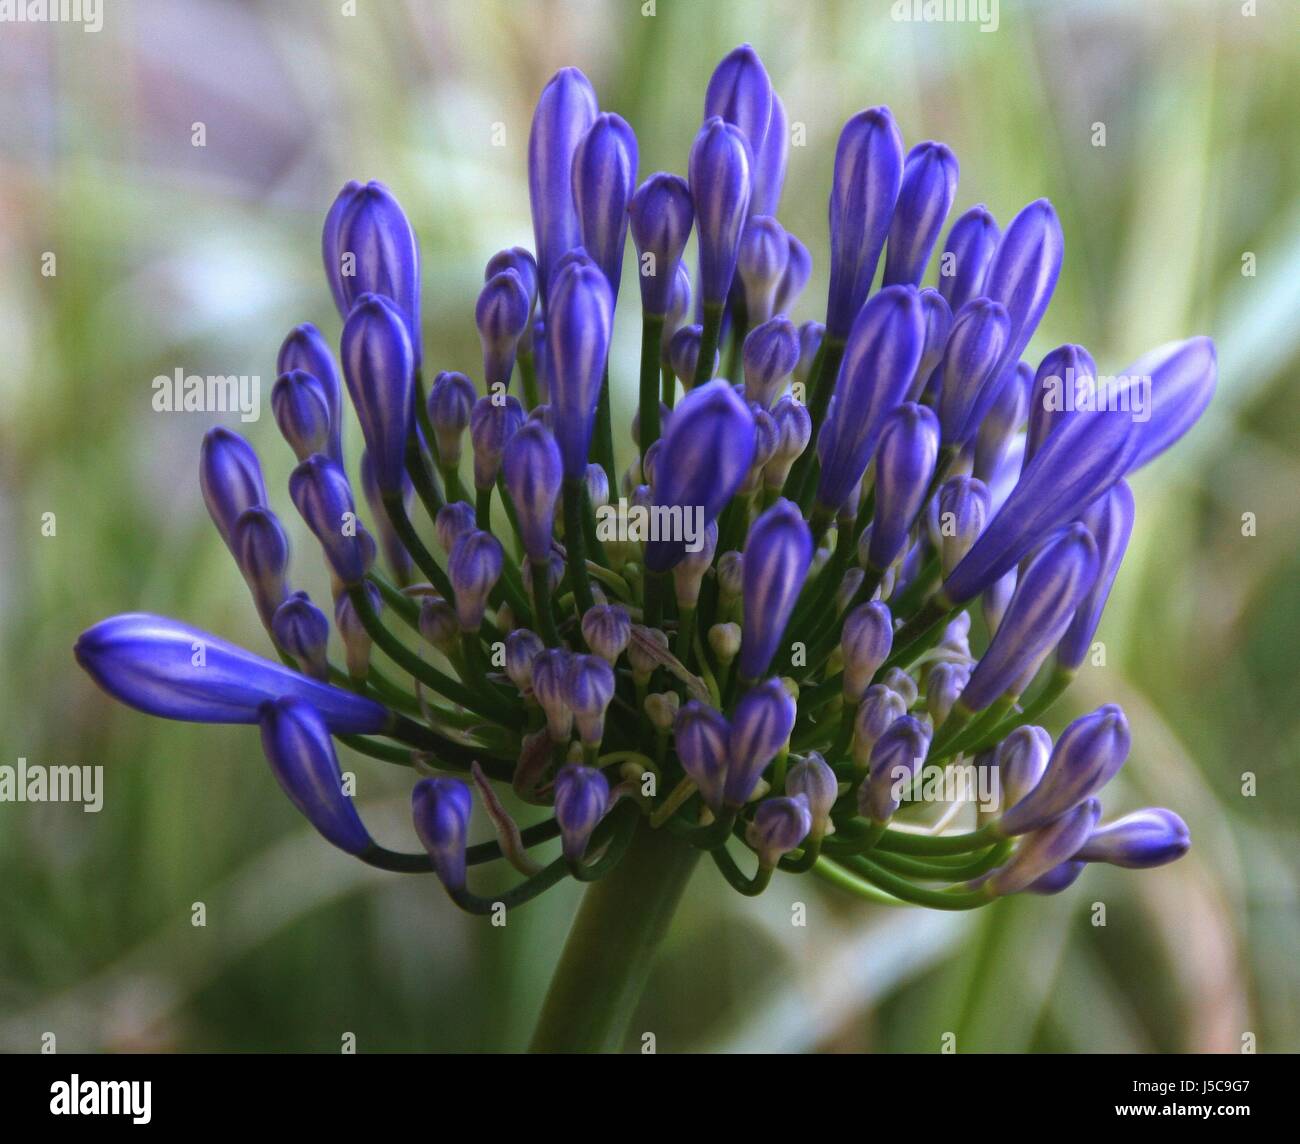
(170, 255)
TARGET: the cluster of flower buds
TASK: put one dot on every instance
(769, 645)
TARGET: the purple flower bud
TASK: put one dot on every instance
(943, 687)
(812, 779)
(779, 825)
(369, 247)
(1045, 849)
(740, 93)
(770, 354)
(323, 497)
(261, 550)
(305, 349)
(1002, 421)
(1023, 273)
(1087, 756)
(590, 687)
(810, 341)
(579, 321)
(551, 687)
(679, 306)
(777, 554)
(438, 623)
(453, 521)
(378, 365)
(604, 177)
(1110, 520)
(880, 360)
(905, 460)
(896, 679)
(706, 452)
(356, 640)
(440, 808)
(298, 746)
(878, 710)
(1075, 465)
(720, 181)
(581, 799)
(1021, 759)
(533, 472)
(971, 244)
(1056, 879)
(522, 648)
(169, 669)
(501, 313)
(766, 440)
(864, 188)
(938, 325)
(1182, 379)
(793, 432)
(895, 759)
(761, 263)
(302, 412)
(607, 628)
(474, 568)
(770, 159)
(684, 354)
(963, 504)
(230, 477)
(865, 643)
(760, 727)
(798, 269)
(1064, 375)
(689, 572)
(700, 736)
(924, 198)
(492, 424)
(565, 112)
(301, 630)
(661, 216)
(523, 263)
(731, 573)
(1138, 841)
(1048, 593)
(976, 345)
(451, 402)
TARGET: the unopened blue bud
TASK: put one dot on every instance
(1001, 422)
(502, 315)
(924, 198)
(943, 687)
(597, 485)
(581, 799)
(963, 504)
(551, 688)
(493, 422)
(1043, 850)
(451, 402)
(230, 477)
(522, 648)
(533, 472)
(812, 779)
(1057, 879)
(438, 624)
(1086, 757)
(370, 247)
(761, 263)
(684, 354)
(770, 160)
(1046, 597)
(720, 180)
(793, 432)
(777, 554)
(302, 412)
(766, 440)
(378, 367)
(971, 244)
(169, 669)
(1021, 758)
(905, 460)
(305, 349)
(938, 325)
(976, 346)
(798, 269)
(607, 628)
(770, 354)
(865, 643)
(590, 687)
(1138, 841)
(810, 341)
(1182, 376)
(301, 630)
(700, 736)
(298, 746)
(565, 112)
(323, 497)
(760, 727)
(679, 306)
(1110, 520)
(689, 572)
(261, 550)
(440, 809)
(1065, 374)
(661, 215)
(880, 360)
(706, 454)
(452, 522)
(604, 178)
(474, 568)
(895, 759)
(522, 262)
(1024, 270)
(578, 325)
(878, 710)
(356, 640)
(779, 825)
(740, 92)
(864, 189)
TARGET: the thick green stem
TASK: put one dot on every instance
(612, 946)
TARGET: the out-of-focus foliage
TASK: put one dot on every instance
(171, 255)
